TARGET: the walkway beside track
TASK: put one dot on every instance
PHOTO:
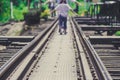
(58, 62)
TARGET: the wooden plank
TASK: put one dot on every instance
(16, 38)
(105, 39)
(103, 28)
(6, 40)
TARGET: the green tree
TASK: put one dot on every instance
(4, 10)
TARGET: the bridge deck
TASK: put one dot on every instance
(58, 61)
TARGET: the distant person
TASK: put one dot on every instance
(77, 5)
(63, 8)
(51, 6)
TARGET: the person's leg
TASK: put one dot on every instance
(53, 14)
(60, 23)
(65, 24)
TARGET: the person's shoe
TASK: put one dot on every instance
(65, 32)
(59, 30)
(60, 33)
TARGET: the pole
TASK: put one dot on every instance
(11, 6)
(40, 5)
(28, 4)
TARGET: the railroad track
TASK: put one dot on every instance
(10, 45)
(74, 56)
(7, 69)
(106, 46)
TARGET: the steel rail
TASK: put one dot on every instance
(83, 60)
(97, 63)
(31, 58)
(10, 65)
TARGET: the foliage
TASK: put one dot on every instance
(20, 7)
(82, 7)
(4, 10)
(117, 33)
(18, 12)
(43, 8)
(45, 14)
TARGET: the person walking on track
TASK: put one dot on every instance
(63, 8)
